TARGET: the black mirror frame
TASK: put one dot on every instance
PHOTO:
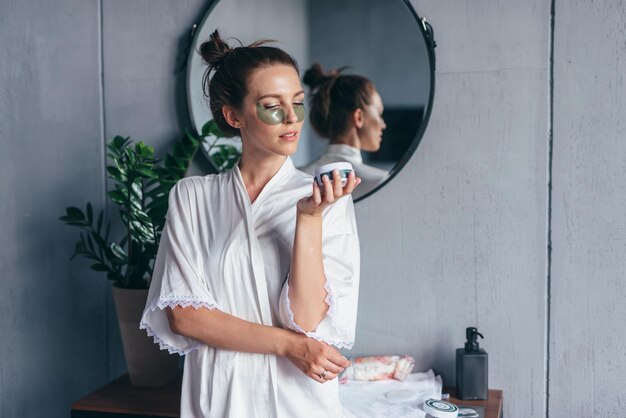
(427, 33)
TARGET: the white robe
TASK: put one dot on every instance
(219, 251)
(370, 176)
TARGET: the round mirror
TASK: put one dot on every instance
(384, 41)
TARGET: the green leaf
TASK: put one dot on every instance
(118, 253)
(74, 215)
(99, 267)
(146, 172)
(170, 161)
(98, 239)
(206, 128)
(130, 156)
(142, 232)
(195, 142)
(116, 173)
(117, 143)
(143, 150)
(210, 128)
(157, 203)
(117, 196)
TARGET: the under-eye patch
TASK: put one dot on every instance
(299, 111)
(276, 115)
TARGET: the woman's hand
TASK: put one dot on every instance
(315, 204)
(316, 359)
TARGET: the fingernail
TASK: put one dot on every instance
(325, 177)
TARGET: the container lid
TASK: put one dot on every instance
(440, 409)
(401, 395)
(333, 166)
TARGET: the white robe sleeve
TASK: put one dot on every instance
(177, 278)
(341, 259)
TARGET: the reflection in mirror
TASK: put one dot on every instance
(346, 110)
(381, 41)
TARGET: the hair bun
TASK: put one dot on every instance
(215, 50)
(315, 77)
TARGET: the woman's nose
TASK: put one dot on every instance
(290, 115)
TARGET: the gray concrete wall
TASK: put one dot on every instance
(458, 238)
(53, 322)
(588, 298)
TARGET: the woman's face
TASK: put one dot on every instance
(272, 113)
(371, 133)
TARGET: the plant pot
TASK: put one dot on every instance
(147, 364)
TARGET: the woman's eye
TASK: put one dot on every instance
(271, 106)
(298, 104)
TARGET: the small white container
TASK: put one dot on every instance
(436, 408)
(344, 170)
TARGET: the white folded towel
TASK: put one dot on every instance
(391, 398)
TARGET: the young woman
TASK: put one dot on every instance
(257, 273)
(347, 110)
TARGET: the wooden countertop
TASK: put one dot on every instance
(119, 398)
(493, 405)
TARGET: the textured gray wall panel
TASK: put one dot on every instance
(587, 357)
(52, 312)
(144, 46)
(466, 244)
(458, 238)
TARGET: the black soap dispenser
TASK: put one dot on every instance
(471, 368)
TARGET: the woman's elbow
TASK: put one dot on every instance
(176, 320)
(309, 323)
(308, 326)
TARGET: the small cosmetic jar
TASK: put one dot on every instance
(343, 168)
(436, 408)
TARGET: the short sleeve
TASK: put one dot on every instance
(177, 278)
(341, 259)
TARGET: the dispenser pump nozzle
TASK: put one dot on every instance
(472, 334)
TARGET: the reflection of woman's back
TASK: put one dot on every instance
(347, 110)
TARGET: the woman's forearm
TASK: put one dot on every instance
(221, 330)
(306, 278)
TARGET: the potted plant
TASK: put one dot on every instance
(141, 186)
(223, 153)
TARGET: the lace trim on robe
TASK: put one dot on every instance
(344, 340)
(172, 302)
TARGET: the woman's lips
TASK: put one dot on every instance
(289, 136)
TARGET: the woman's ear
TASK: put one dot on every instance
(231, 116)
(358, 118)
